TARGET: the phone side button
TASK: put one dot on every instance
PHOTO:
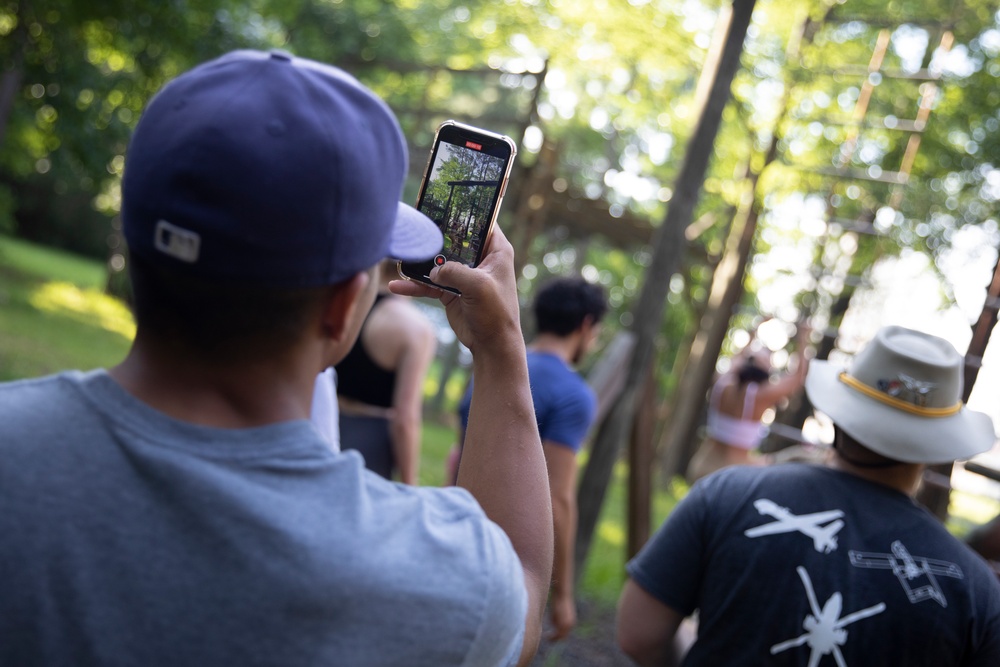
(503, 188)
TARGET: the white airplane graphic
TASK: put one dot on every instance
(824, 628)
(824, 537)
(917, 574)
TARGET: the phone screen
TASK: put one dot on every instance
(463, 185)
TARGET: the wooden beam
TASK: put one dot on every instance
(640, 469)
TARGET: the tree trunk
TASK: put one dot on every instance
(936, 496)
(727, 289)
(668, 244)
(10, 82)
(640, 469)
(10, 79)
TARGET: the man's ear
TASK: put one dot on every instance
(341, 304)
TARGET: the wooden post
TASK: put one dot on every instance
(640, 468)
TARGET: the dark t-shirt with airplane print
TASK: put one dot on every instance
(798, 564)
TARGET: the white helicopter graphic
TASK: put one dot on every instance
(825, 632)
(824, 537)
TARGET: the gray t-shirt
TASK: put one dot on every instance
(803, 565)
(130, 538)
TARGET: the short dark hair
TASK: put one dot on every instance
(221, 322)
(749, 371)
(848, 448)
(562, 305)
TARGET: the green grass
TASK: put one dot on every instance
(436, 441)
(54, 314)
(604, 572)
(50, 264)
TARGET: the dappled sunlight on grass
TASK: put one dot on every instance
(453, 391)
(611, 532)
(975, 508)
(85, 305)
(968, 510)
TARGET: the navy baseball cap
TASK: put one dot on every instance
(269, 169)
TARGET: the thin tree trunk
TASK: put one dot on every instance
(668, 244)
(10, 83)
(640, 469)
(936, 497)
(10, 79)
(725, 293)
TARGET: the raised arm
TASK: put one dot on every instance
(790, 383)
(502, 461)
(747, 350)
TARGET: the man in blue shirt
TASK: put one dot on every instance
(568, 313)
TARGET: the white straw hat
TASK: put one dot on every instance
(902, 398)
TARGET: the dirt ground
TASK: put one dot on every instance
(592, 643)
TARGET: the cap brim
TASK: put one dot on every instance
(892, 432)
(415, 237)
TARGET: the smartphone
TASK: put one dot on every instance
(463, 184)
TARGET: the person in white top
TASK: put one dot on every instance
(737, 403)
(324, 413)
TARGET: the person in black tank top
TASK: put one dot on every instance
(361, 379)
(380, 386)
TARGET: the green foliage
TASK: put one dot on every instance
(86, 70)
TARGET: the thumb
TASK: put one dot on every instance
(454, 275)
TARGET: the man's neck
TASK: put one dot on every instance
(563, 347)
(903, 477)
(223, 396)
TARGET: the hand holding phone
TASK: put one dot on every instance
(481, 303)
(462, 189)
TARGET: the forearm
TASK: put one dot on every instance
(504, 468)
(564, 516)
(405, 436)
(408, 393)
(502, 461)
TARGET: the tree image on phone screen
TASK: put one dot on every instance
(459, 197)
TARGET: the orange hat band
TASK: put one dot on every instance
(894, 402)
